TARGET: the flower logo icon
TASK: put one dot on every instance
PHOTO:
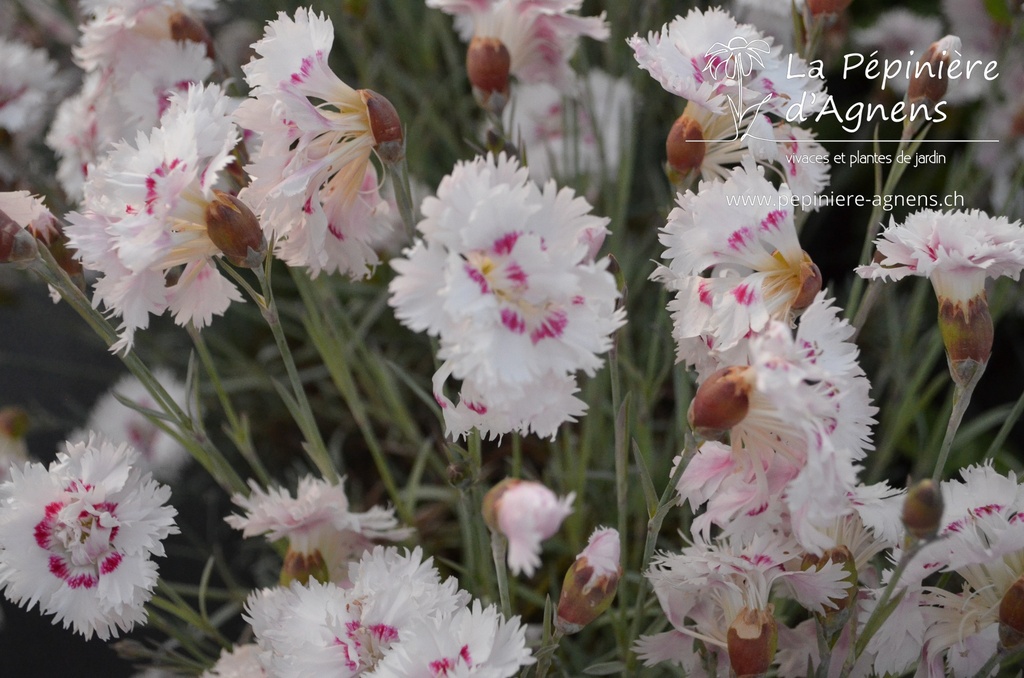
(737, 59)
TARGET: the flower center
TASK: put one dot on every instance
(80, 539)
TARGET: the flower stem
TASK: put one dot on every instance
(198, 445)
(880, 614)
(499, 548)
(315, 448)
(403, 195)
(547, 653)
(961, 400)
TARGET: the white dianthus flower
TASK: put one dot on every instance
(77, 538)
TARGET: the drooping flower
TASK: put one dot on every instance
(316, 138)
(159, 453)
(800, 434)
(526, 513)
(503, 277)
(711, 590)
(734, 262)
(148, 209)
(957, 252)
(323, 534)
(320, 629)
(77, 538)
(540, 37)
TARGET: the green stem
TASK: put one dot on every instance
(238, 430)
(200, 447)
(499, 549)
(961, 400)
(403, 195)
(517, 455)
(315, 448)
(545, 661)
(879, 615)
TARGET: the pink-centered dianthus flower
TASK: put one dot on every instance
(313, 182)
(145, 214)
(525, 513)
(540, 36)
(503, 276)
(77, 538)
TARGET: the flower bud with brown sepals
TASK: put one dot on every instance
(929, 80)
(967, 334)
(721, 402)
(752, 640)
(385, 126)
(17, 245)
(487, 64)
(685, 148)
(1011, 616)
(235, 230)
(922, 509)
(491, 499)
(186, 28)
(590, 583)
(301, 567)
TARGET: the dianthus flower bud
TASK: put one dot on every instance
(186, 28)
(1011, 616)
(16, 244)
(301, 567)
(752, 640)
(487, 64)
(684, 147)
(922, 509)
(235, 230)
(721, 402)
(590, 583)
(810, 284)
(929, 81)
(835, 618)
(827, 7)
(967, 333)
(385, 126)
(525, 513)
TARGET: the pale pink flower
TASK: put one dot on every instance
(324, 629)
(159, 453)
(957, 251)
(703, 589)
(502, 276)
(312, 179)
(574, 133)
(28, 82)
(144, 215)
(77, 538)
(527, 513)
(602, 553)
(806, 429)
(29, 212)
(316, 520)
(541, 36)
(734, 262)
(242, 661)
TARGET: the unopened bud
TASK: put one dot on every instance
(721, 402)
(810, 284)
(235, 230)
(13, 422)
(16, 244)
(752, 640)
(487, 64)
(491, 499)
(827, 7)
(186, 28)
(590, 584)
(922, 509)
(929, 80)
(1011, 616)
(684, 147)
(301, 567)
(967, 333)
(385, 126)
